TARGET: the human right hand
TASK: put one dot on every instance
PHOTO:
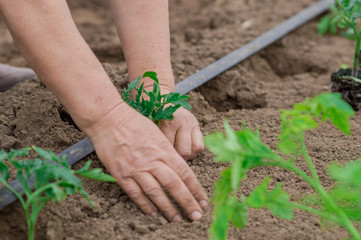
(143, 161)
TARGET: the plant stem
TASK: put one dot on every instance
(14, 192)
(318, 188)
(26, 210)
(315, 211)
(39, 191)
(308, 159)
(31, 230)
(357, 55)
(357, 36)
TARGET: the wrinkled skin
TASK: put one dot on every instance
(141, 158)
(184, 134)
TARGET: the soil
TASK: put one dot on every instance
(296, 67)
(350, 89)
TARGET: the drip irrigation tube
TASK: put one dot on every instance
(85, 147)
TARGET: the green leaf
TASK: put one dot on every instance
(237, 173)
(151, 75)
(154, 108)
(349, 174)
(277, 202)
(324, 24)
(239, 212)
(97, 174)
(287, 145)
(166, 114)
(222, 188)
(58, 193)
(46, 154)
(3, 155)
(85, 167)
(4, 170)
(334, 108)
(219, 145)
(257, 198)
(219, 227)
(221, 212)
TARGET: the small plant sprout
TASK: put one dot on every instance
(244, 151)
(159, 106)
(346, 14)
(53, 180)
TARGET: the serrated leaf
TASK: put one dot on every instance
(166, 114)
(277, 201)
(97, 174)
(239, 210)
(216, 143)
(46, 154)
(58, 193)
(257, 198)
(151, 75)
(337, 110)
(85, 167)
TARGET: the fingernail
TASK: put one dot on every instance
(203, 203)
(177, 218)
(196, 215)
(153, 214)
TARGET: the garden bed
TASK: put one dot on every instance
(290, 70)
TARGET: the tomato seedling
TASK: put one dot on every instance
(54, 180)
(244, 151)
(159, 106)
(346, 14)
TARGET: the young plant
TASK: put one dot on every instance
(244, 151)
(54, 180)
(159, 106)
(346, 14)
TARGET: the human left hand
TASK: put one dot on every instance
(184, 133)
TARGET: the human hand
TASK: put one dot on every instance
(142, 160)
(184, 133)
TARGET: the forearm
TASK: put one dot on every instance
(143, 28)
(50, 42)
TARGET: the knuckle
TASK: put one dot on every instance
(186, 174)
(153, 191)
(190, 205)
(169, 211)
(171, 184)
(134, 193)
(199, 148)
(185, 152)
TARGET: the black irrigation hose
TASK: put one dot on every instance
(85, 147)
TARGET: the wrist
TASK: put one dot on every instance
(116, 112)
(90, 112)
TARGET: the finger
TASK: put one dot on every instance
(155, 192)
(168, 132)
(183, 142)
(174, 185)
(197, 143)
(132, 189)
(190, 180)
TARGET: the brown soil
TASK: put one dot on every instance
(295, 67)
